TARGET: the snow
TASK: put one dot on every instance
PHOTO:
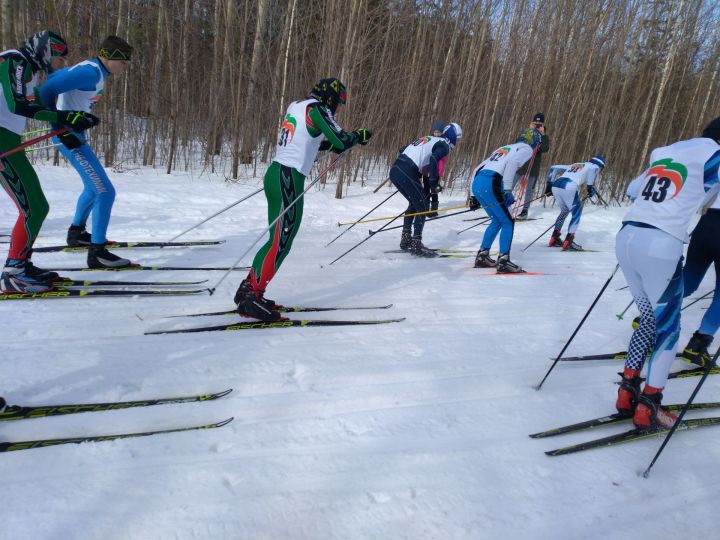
(412, 430)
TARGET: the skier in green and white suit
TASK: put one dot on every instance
(309, 126)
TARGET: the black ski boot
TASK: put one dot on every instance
(696, 351)
(251, 303)
(506, 266)
(405, 240)
(419, 250)
(99, 257)
(39, 273)
(483, 260)
(77, 236)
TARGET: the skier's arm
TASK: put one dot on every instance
(439, 150)
(323, 121)
(544, 144)
(515, 161)
(79, 78)
(710, 181)
(14, 74)
(633, 190)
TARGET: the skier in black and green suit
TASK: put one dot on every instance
(309, 126)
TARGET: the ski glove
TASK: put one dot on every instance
(473, 203)
(508, 198)
(363, 135)
(70, 141)
(591, 191)
(548, 190)
(78, 120)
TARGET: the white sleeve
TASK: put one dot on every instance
(633, 190)
(515, 161)
(592, 175)
(555, 171)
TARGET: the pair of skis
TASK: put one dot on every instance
(18, 412)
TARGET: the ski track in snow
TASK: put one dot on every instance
(414, 430)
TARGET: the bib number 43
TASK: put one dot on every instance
(656, 189)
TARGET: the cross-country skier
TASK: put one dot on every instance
(566, 190)
(437, 129)
(81, 87)
(538, 122)
(681, 178)
(492, 187)
(309, 126)
(19, 69)
(424, 153)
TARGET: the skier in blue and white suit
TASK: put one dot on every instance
(492, 187)
(566, 192)
(80, 87)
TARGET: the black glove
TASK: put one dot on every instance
(78, 120)
(70, 141)
(548, 190)
(473, 203)
(591, 191)
(363, 135)
(435, 187)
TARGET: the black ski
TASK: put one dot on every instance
(19, 412)
(82, 283)
(615, 418)
(74, 293)
(622, 355)
(443, 255)
(41, 443)
(152, 268)
(121, 245)
(283, 309)
(259, 325)
(632, 435)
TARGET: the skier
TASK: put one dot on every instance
(44, 51)
(649, 246)
(405, 174)
(566, 192)
(437, 129)
(81, 87)
(309, 126)
(538, 123)
(492, 187)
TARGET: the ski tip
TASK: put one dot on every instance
(224, 393)
(225, 422)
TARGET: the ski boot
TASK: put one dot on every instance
(419, 250)
(506, 266)
(522, 216)
(15, 278)
(405, 240)
(649, 413)
(99, 257)
(40, 273)
(696, 351)
(483, 260)
(77, 236)
(629, 392)
(555, 239)
(252, 303)
(569, 243)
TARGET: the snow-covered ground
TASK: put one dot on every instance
(414, 430)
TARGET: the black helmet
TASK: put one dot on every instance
(330, 92)
(712, 130)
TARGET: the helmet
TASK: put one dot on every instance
(41, 47)
(330, 92)
(530, 137)
(452, 133)
(599, 161)
(712, 130)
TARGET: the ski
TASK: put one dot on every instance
(122, 245)
(621, 355)
(693, 372)
(19, 412)
(75, 293)
(82, 283)
(442, 254)
(514, 274)
(149, 268)
(42, 443)
(283, 309)
(615, 418)
(258, 325)
(632, 435)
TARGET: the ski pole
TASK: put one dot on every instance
(483, 222)
(371, 232)
(617, 266)
(523, 185)
(371, 211)
(621, 315)
(34, 131)
(211, 290)
(216, 214)
(31, 142)
(545, 232)
(366, 239)
(674, 427)
(404, 215)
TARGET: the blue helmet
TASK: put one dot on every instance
(452, 133)
(530, 137)
(599, 161)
